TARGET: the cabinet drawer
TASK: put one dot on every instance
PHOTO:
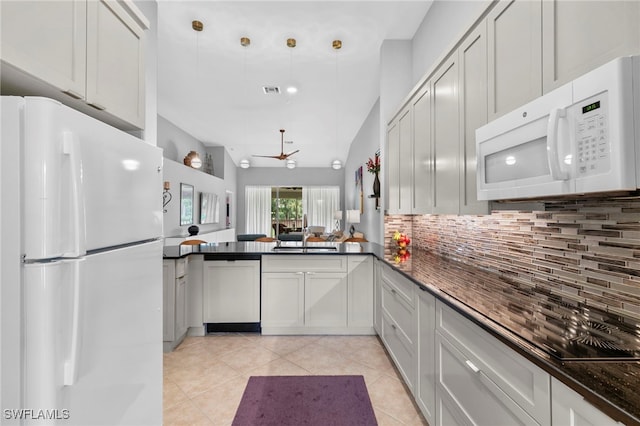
(401, 349)
(403, 286)
(524, 382)
(308, 263)
(480, 400)
(400, 312)
(181, 267)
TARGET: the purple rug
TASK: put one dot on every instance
(305, 400)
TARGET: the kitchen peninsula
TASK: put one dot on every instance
(476, 325)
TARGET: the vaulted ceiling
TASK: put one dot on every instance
(212, 87)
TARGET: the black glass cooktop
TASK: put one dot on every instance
(573, 332)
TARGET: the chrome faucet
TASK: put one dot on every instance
(305, 230)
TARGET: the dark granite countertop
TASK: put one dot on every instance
(515, 314)
(512, 312)
(222, 250)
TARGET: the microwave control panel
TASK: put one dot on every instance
(592, 137)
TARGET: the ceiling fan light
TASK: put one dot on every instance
(291, 164)
(245, 164)
(336, 165)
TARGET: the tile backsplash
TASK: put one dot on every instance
(587, 250)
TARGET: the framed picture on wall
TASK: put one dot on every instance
(186, 204)
(359, 205)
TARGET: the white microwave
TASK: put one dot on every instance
(583, 137)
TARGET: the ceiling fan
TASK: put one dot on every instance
(282, 155)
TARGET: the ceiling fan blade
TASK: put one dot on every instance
(282, 155)
(268, 156)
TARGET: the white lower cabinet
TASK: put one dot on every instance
(426, 385)
(470, 394)
(231, 291)
(377, 296)
(325, 299)
(568, 408)
(483, 381)
(360, 288)
(174, 315)
(282, 301)
(307, 294)
(460, 374)
(399, 323)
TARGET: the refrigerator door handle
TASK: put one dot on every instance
(71, 364)
(71, 148)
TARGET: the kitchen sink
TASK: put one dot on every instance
(303, 249)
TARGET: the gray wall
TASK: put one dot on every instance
(364, 146)
(176, 143)
(281, 176)
(445, 23)
(403, 63)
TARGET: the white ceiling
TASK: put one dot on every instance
(211, 87)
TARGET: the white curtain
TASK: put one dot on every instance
(319, 203)
(257, 202)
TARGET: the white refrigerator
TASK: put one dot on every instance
(81, 267)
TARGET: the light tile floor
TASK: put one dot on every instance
(204, 378)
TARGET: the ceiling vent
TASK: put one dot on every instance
(271, 90)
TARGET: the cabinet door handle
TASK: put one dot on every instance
(311, 273)
(472, 366)
(73, 94)
(299, 273)
(393, 290)
(97, 106)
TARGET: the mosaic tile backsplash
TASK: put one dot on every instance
(586, 250)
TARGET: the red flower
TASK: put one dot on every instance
(373, 166)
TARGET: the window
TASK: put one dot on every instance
(286, 210)
(281, 210)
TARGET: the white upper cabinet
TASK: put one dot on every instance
(446, 137)
(409, 151)
(392, 202)
(115, 61)
(405, 124)
(514, 54)
(400, 155)
(47, 40)
(88, 54)
(579, 36)
(422, 151)
(472, 57)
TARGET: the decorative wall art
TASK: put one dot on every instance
(359, 205)
(186, 204)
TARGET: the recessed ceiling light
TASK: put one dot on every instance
(245, 164)
(292, 90)
(291, 164)
(336, 165)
